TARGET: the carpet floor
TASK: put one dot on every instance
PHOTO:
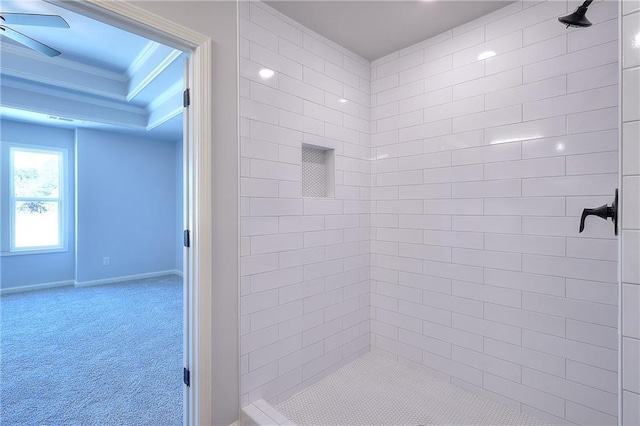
(103, 355)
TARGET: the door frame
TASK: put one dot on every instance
(198, 196)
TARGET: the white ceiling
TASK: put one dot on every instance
(104, 78)
(374, 29)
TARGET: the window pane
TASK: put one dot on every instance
(36, 224)
(36, 174)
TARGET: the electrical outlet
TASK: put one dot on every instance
(105, 261)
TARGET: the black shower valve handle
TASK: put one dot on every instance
(604, 211)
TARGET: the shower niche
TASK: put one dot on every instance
(318, 171)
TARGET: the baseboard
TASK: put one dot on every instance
(33, 287)
(128, 278)
(44, 286)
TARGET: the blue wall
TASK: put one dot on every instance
(27, 269)
(129, 207)
(126, 205)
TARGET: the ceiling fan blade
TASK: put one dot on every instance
(27, 41)
(33, 19)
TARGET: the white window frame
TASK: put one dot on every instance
(63, 217)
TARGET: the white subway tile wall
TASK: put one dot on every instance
(452, 240)
(480, 170)
(630, 191)
(305, 270)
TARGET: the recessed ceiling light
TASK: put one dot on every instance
(343, 101)
(486, 55)
(636, 41)
(266, 73)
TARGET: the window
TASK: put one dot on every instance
(36, 199)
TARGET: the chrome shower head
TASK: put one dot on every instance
(577, 18)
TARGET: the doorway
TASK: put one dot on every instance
(197, 198)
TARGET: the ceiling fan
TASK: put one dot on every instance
(39, 20)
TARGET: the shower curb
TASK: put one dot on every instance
(261, 413)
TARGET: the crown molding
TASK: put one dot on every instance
(138, 85)
(167, 106)
(175, 88)
(36, 89)
(79, 113)
(62, 62)
(58, 72)
(155, 122)
(65, 84)
(77, 78)
(142, 57)
(27, 97)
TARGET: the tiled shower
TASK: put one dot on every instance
(424, 207)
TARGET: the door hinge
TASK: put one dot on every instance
(187, 238)
(186, 98)
(186, 376)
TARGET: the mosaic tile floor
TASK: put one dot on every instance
(374, 390)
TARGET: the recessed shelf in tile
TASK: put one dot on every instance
(318, 171)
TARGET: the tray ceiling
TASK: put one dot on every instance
(105, 77)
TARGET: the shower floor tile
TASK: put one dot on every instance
(374, 390)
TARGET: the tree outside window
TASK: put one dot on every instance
(36, 198)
